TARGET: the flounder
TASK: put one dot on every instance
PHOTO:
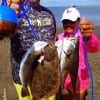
(40, 70)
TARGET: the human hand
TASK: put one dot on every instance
(14, 4)
(86, 27)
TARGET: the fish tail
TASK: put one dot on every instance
(24, 92)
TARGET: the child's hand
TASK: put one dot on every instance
(87, 27)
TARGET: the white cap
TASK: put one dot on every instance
(71, 14)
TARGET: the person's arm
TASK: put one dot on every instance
(87, 30)
(93, 44)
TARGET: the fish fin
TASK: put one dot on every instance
(24, 92)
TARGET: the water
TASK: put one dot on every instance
(91, 13)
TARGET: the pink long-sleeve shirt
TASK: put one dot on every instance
(93, 45)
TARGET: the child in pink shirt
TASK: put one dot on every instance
(71, 21)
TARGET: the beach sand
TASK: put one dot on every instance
(6, 84)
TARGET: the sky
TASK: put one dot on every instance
(70, 2)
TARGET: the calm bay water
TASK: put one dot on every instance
(91, 13)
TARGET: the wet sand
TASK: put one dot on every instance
(6, 84)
